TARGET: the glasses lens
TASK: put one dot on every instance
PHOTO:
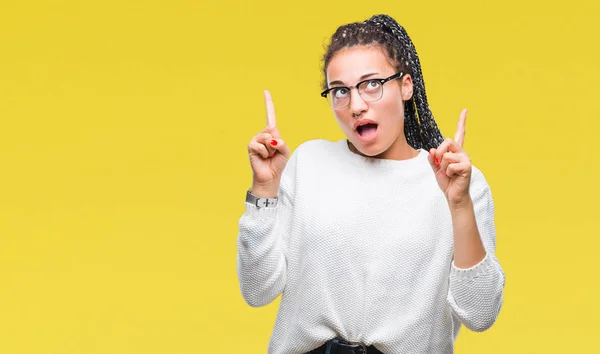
(371, 90)
(339, 97)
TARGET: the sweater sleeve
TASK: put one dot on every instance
(476, 294)
(261, 246)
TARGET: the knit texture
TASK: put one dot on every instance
(362, 249)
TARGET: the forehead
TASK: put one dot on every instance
(351, 63)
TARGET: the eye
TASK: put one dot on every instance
(372, 85)
(339, 92)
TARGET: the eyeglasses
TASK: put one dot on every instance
(369, 90)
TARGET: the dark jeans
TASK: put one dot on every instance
(332, 347)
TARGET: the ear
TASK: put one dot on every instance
(406, 87)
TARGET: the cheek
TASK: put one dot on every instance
(394, 102)
(393, 109)
(343, 117)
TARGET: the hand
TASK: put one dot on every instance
(452, 166)
(268, 153)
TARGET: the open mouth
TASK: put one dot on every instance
(367, 131)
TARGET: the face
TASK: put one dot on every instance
(373, 128)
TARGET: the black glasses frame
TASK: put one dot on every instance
(381, 81)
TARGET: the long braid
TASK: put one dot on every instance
(420, 128)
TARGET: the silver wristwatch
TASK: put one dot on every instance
(260, 202)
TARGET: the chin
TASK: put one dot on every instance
(371, 149)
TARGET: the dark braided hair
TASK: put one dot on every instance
(420, 128)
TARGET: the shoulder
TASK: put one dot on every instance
(315, 146)
(308, 156)
(479, 188)
(313, 152)
(477, 176)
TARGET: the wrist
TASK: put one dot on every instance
(269, 190)
(460, 204)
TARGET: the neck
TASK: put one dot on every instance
(399, 150)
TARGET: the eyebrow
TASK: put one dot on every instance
(337, 82)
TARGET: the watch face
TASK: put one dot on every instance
(267, 202)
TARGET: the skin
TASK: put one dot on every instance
(450, 163)
(349, 66)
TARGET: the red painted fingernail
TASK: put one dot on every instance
(437, 162)
(274, 142)
(273, 154)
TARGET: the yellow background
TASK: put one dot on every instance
(123, 166)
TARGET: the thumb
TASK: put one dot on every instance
(281, 147)
(431, 158)
(274, 132)
(285, 151)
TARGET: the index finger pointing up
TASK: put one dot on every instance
(459, 137)
(270, 110)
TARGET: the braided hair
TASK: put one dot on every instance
(420, 128)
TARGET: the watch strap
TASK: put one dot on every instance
(260, 202)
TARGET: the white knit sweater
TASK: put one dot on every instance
(362, 249)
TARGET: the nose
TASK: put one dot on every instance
(357, 105)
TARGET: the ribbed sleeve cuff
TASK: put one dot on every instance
(479, 269)
(255, 211)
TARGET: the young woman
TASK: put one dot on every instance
(381, 242)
